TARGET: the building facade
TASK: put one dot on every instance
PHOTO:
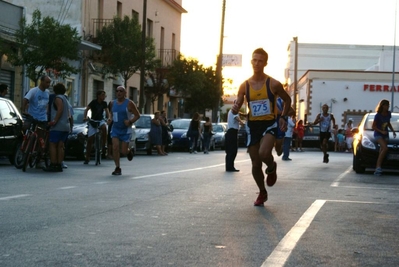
(163, 23)
(349, 94)
(336, 75)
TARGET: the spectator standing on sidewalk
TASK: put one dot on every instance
(193, 132)
(349, 136)
(156, 133)
(231, 140)
(165, 132)
(3, 90)
(261, 92)
(381, 126)
(207, 134)
(122, 110)
(300, 133)
(288, 138)
(61, 124)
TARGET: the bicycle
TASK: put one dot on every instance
(34, 146)
(97, 140)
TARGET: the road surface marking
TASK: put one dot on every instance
(363, 202)
(180, 171)
(341, 176)
(12, 197)
(67, 187)
(369, 187)
(283, 250)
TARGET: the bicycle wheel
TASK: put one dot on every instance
(34, 159)
(98, 148)
(28, 152)
(19, 157)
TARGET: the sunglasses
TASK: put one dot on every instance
(119, 91)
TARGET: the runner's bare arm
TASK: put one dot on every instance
(240, 99)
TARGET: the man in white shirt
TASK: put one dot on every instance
(231, 140)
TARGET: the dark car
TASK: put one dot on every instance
(366, 149)
(242, 136)
(311, 138)
(77, 139)
(180, 140)
(219, 130)
(11, 135)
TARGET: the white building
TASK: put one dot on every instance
(351, 79)
(349, 94)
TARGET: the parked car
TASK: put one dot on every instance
(366, 149)
(143, 127)
(11, 135)
(311, 138)
(219, 137)
(180, 140)
(77, 139)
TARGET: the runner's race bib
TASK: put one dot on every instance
(260, 107)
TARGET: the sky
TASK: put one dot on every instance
(272, 24)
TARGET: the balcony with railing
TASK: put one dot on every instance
(97, 25)
(167, 56)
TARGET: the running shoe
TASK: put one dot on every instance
(130, 155)
(86, 162)
(271, 175)
(378, 172)
(262, 198)
(118, 171)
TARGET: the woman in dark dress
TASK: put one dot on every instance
(156, 133)
(194, 132)
(207, 134)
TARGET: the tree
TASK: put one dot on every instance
(159, 85)
(198, 85)
(121, 51)
(45, 45)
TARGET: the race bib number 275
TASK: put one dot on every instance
(260, 107)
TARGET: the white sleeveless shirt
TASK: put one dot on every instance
(325, 123)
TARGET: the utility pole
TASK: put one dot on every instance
(219, 78)
(296, 73)
(394, 58)
(142, 67)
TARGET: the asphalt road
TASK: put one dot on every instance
(184, 210)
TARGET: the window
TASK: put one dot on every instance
(97, 86)
(6, 112)
(119, 9)
(150, 26)
(135, 14)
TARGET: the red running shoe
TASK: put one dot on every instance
(271, 176)
(262, 198)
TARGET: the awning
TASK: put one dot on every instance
(86, 45)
